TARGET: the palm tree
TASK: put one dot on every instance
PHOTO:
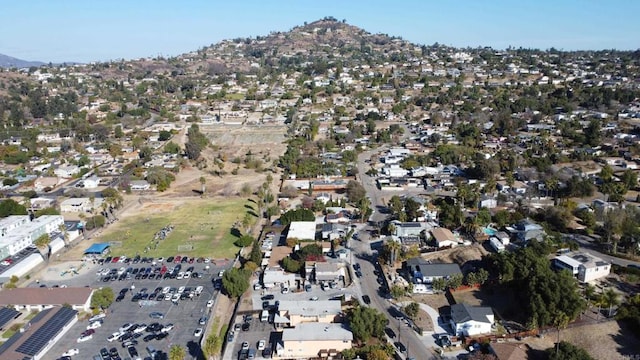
(560, 321)
(203, 181)
(611, 299)
(177, 352)
(589, 293)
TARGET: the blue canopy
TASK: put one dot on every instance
(97, 249)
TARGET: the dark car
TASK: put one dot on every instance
(149, 337)
(120, 298)
(132, 351)
(113, 352)
(366, 299)
(170, 259)
(400, 346)
(156, 315)
(246, 326)
(390, 333)
(162, 336)
(104, 353)
(265, 305)
(268, 297)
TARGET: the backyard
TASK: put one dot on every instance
(199, 227)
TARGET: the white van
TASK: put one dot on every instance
(264, 316)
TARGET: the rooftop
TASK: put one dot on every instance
(45, 296)
(317, 332)
(461, 313)
(311, 308)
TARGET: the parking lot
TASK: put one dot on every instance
(179, 309)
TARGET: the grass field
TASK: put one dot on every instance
(204, 224)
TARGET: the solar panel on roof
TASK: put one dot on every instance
(41, 337)
(6, 315)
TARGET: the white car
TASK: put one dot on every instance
(114, 336)
(197, 332)
(209, 303)
(124, 328)
(167, 297)
(85, 338)
(140, 328)
(71, 352)
(180, 275)
(221, 273)
(181, 289)
(207, 260)
(166, 289)
(176, 297)
(261, 345)
(97, 317)
(167, 328)
(199, 289)
(187, 275)
(94, 325)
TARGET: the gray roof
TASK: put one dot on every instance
(461, 313)
(427, 269)
(317, 332)
(310, 308)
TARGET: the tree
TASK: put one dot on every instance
(42, 241)
(560, 321)
(177, 352)
(610, 298)
(412, 310)
(396, 206)
(355, 191)
(568, 351)
(164, 135)
(102, 298)
(244, 240)
(364, 208)
(11, 207)
(366, 322)
(235, 282)
(203, 181)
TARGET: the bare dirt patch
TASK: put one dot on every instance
(459, 255)
(607, 341)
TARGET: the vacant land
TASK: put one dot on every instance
(604, 341)
(201, 227)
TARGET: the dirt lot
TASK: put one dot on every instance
(502, 302)
(606, 341)
(459, 255)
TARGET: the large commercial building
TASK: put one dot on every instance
(17, 232)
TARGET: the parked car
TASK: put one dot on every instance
(197, 332)
(156, 315)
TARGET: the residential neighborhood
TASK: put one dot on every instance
(332, 193)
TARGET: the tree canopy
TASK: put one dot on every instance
(366, 322)
(102, 298)
(235, 282)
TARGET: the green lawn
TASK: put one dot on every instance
(205, 224)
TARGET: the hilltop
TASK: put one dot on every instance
(8, 61)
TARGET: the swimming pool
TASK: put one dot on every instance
(489, 231)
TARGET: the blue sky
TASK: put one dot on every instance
(98, 30)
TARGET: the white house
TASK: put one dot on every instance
(91, 182)
(471, 320)
(80, 204)
(302, 230)
(444, 237)
(138, 185)
(66, 171)
(584, 266)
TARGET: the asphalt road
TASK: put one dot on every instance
(588, 245)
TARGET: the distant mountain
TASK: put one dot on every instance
(8, 61)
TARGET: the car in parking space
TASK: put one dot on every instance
(149, 337)
(104, 353)
(209, 303)
(268, 297)
(167, 328)
(261, 345)
(246, 326)
(366, 299)
(245, 345)
(161, 336)
(114, 336)
(88, 332)
(177, 259)
(266, 353)
(94, 325)
(203, 320)
(132, 352)
(231, 336)
(390, 333)
(97, 317)
(197, 332)
(156, 315)
(114, 353)
(184, 260)
(237, 326)
(130, 342)
(170, 259)
(84, 338)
